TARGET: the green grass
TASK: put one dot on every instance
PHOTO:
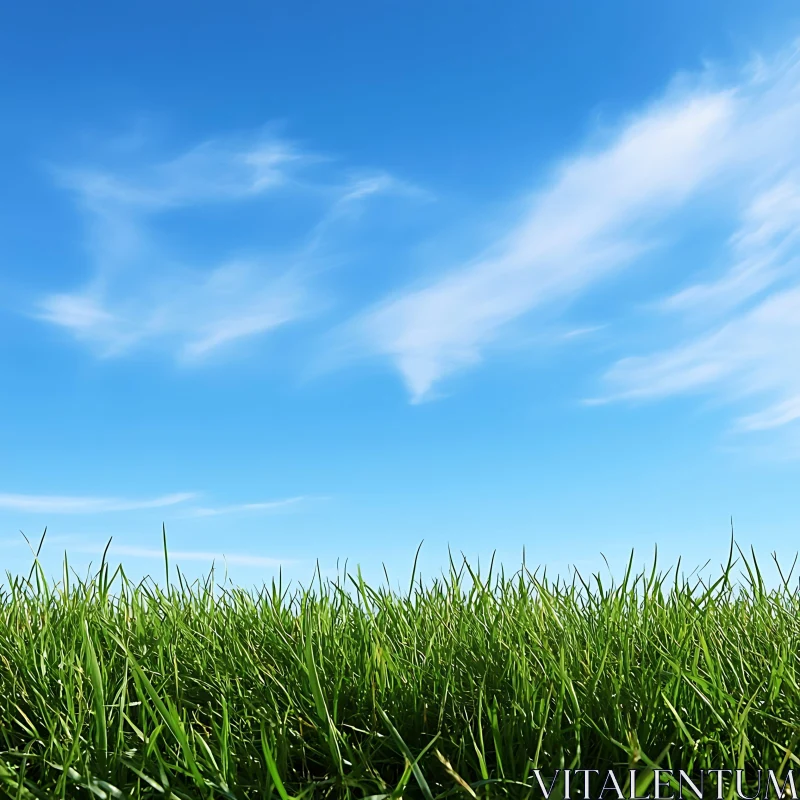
(459, 686)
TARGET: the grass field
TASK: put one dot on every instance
(458, 686)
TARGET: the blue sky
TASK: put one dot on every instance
(319, 281)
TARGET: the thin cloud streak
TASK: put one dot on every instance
(194, 313)
(754, 355)
(238, 559)
(763, 250)
(55, 504)
(270, 506)
(213, 171)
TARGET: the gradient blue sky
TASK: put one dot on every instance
(322, 280)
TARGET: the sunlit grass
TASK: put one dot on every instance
(460, 685)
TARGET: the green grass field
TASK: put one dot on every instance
(458, 686)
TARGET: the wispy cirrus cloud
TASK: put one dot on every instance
(744, 348)
(212, 171)
(602, 210)
(61, 504)
(577, 231)
(157, 554)
(763, 250)
(141, 294)
(191, 312)
(268, 506)
(753, 355)
(65, 504)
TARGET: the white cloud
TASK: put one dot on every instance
(272, 505)
(575, 232)
(763, 251)
(755, 354)
(745, 348)
(192, 311)
(599, 213)
(54, 504)
(157, 554)
(214, 171)
(140, 295)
